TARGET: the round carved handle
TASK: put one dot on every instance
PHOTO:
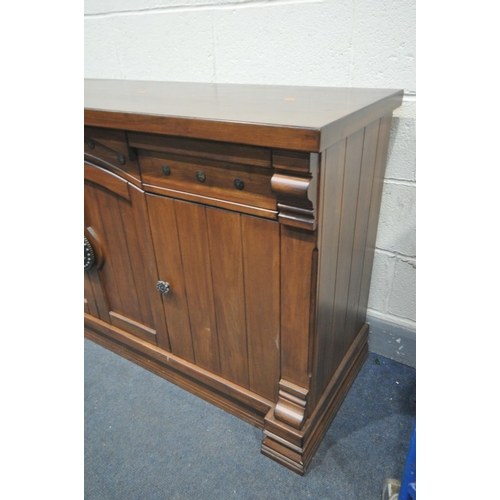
(89, 256)
(163, 287)
(201, 176)
(165, 169)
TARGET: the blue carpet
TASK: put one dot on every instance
(147, 439)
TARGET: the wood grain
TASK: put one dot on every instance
(376, 199)
(90, 303)
(292, 118)
(218, 151)
(169, 261)
(193, 238)
(106, 179)
(354, 152)
(142, 255)
(125, 285)
(213, 202)
(261, 261)
(225, 250)
(332, 174)
(110, 149)
(217, 390)
(297, 259)
(352, 328)
(219, 178)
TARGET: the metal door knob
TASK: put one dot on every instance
(163, 287)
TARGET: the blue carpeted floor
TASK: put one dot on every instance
(145, 438)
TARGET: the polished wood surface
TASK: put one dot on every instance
(125, 285)
(297, 118)
(219, 151)
(266, 311)
(218, 183)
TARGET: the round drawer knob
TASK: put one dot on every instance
(121, 159)
(165, 169)
(91, 144)
(239, 184)
(201, 176)
(163, 287)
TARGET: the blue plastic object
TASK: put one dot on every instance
(408, 489)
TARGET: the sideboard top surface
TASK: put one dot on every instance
(300, 118)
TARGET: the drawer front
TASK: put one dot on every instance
(237, 187)
(109, 149)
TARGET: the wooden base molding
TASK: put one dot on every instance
(230, 397)
(285, 443)
(295, 448)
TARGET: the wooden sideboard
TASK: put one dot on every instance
(229, 242)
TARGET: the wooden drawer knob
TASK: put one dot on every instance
(239, 184)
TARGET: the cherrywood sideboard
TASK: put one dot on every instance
(229, 241)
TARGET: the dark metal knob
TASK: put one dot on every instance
(239, 184)
(91, 144)
(201, 176)
(121, 159)
(165, 169)
(163, 287)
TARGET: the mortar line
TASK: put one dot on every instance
(400, 182)
(207, 6)
(392, 253)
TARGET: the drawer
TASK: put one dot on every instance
(232, 186)
(109, 149)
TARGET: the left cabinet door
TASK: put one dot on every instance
(121, 279)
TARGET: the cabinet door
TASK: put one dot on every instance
(121, 287)
(223, 307)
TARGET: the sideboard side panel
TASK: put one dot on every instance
(352, 172)
(375, 202)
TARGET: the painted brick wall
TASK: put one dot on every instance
(358, 43)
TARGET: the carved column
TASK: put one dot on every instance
(296, 184)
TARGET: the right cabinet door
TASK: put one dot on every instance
(223, 305)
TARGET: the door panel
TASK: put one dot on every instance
(127, 279)
(224, 302)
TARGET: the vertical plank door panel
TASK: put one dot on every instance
(142, 257)
(169, 262)
(261, 258)
(224, 231)
(125, 286)
(106, 273)
(193, 238)
(90, 304)
(110, 207)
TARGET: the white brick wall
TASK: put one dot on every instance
(358, 43)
